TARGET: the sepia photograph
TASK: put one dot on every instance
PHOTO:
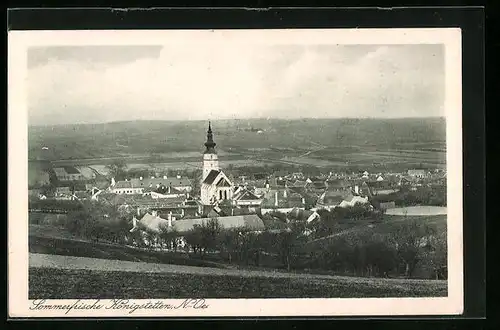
(217, 172)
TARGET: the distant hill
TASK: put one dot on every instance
(356, 143)
(121, 139)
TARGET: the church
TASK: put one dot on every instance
(215, 185)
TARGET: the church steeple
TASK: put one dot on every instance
(210, 144)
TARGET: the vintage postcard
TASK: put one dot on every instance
(193, 173)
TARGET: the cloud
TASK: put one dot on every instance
(244, 81)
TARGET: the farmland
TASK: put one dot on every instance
(321, 142)
(49, 283)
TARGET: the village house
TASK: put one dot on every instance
(244, 197)
(226, 209)
(341, 185)
(153, 223)
(387, 205)
(297, 176)
(417, 173)
(86, 172)
(164, 192)
(352, 200)
(68, 173)
(179, 205)
(250, 222)
(331, 199)
(317, 185)
(261, 188)
(307, 216)
(282, 200)
(377, 188)
(141, 185)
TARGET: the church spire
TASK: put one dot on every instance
(210, 144)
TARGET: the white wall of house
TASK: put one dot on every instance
(184, 188)
(385, 191)
(127, 191)
(156, 195)
(248, 202)
(281, 210)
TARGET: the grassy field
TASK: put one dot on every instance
(216, 280)
(334, 141)
(84, 284)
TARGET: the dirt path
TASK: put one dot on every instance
(67, 262)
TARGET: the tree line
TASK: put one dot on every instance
(404, 248)
(431, 196)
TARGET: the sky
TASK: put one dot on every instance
(93, 84)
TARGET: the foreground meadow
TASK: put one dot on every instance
(49, 283)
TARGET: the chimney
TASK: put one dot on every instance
(187, 195)
(276, 199)
(169, 218)
(138, 212)
(165, 177)
(303, 201)
(113, 182)
(356, 189)
(285, 193)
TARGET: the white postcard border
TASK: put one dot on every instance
(19, 41)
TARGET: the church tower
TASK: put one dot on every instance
(210, 159)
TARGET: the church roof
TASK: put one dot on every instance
(210, 144)
(211, 177)
(223, 183)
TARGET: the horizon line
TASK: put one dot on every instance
(233, 119)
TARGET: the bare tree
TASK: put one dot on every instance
(409, 239)
(117, 169)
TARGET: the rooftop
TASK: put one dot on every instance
(252, 222)
(211, 177)
(153, 182)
